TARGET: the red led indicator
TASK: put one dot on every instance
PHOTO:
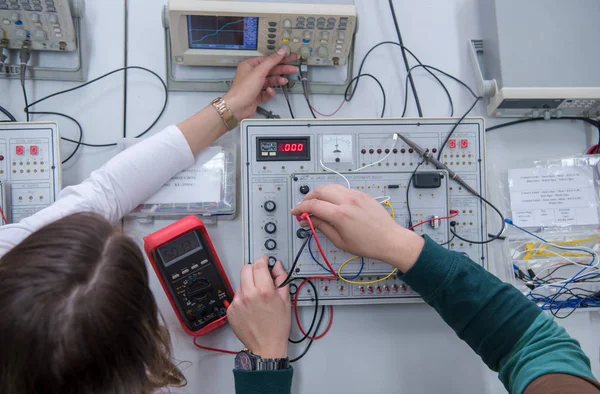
(19, 150)
(33, 149)
(291, 147)
(464, 144)
(452, 144)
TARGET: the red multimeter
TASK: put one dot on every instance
(191, 275)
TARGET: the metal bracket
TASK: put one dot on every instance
(485, 87)
(77, 73)
(222, 85)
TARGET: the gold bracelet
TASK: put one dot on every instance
(225, 113)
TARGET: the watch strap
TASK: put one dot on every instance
(272, 364)
(225, 113)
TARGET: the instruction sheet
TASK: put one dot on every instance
(553, 196)
(197, 184)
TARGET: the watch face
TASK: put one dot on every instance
(243, 361)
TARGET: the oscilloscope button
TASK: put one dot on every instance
(273, 24)
(272, 30)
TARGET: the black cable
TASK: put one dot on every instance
(8, 114)
(312, 340)
(427, 67)
(455, 127)
(286, 94)
(293, 267)
(449, 241)
(350, 92)
(26, 109)
(78, 142)
(305, 90)
(412, 82)
(410, 222)
(520, 121)
(492, 239)
(314, 319)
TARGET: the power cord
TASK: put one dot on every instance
(412, 82)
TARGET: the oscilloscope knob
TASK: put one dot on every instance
(323, 52)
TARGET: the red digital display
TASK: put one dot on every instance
(290, 147)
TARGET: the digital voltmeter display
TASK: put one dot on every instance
(283, 149)
(179, 248)
(191, 275)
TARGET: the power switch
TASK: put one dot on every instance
(452, 144)
(19, 150)
(33, 150)
(464, 144)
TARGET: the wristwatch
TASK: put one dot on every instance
(248, 361)
(225, 113)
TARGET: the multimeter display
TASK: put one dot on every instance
(283, 149)
(191, 274)
(179, 248)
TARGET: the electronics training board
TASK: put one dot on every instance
(29, 167)
(281, 162)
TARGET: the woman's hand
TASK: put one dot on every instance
(356, 223)
(254, 82)
(260, 312)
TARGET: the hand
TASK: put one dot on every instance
(260, 313)
(356, 223)
(254, 81)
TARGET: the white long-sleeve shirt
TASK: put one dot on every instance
(116, 188)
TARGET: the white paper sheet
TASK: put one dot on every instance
(199, 183)
(553, 196)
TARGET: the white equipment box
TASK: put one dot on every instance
(46, 24)
(281, 162)
(224, 33)
(29, 167)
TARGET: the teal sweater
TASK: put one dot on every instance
(509, 332)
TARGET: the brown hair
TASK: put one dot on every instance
(77, 315)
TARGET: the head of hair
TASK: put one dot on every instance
(77, 314)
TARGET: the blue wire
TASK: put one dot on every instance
(551, 303)
(362, 266)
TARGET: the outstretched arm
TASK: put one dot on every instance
(509, 332)
(137, 173)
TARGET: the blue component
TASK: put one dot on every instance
(18, 23)
(305, 41)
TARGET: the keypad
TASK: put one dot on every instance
(28, 5)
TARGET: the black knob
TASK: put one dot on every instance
(270, 228)
(302, 233)
(272, 261)
(270, 244)
(304, 189)
(198, 289)
(270, 206)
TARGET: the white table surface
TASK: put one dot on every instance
(393, 348)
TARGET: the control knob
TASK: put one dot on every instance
(305, 52)
(323, 52)
(270, 244)
(304, 189)
(270, 206)
(272, 261)
(270, 228)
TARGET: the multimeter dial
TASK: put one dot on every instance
(198, 289)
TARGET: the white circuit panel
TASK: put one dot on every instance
(273, 175)
(29, 167)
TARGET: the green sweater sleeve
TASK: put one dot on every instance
(494, 318)
(263, 382)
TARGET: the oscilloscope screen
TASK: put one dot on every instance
(222, 32)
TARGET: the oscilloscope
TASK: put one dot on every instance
(224, 33)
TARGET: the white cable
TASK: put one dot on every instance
(551, 262)
(382, 199)
(335, 172)
(395, 140)
(395, 137)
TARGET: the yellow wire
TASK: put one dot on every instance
(352, 282)
(339, 272)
